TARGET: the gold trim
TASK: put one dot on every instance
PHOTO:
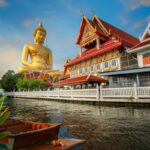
(87, 21)
(106, 32)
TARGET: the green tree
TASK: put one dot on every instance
(9, 79)
(22, 84)
(31, 84)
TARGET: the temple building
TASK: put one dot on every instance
(102, 49)
(139, 75)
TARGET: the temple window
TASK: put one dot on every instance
(75, 73)
(98, 67)
(71, 74)
(114, 62)
(86, 70)
(80, 71)
(92, 68)
(106, 64)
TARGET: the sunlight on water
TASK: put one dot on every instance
(103, 128)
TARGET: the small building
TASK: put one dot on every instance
(85, 81)
(102, 49)
(139, 75)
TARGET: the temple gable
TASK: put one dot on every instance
(87, 36)
(146, 34)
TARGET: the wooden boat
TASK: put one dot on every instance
(23, 133)
(68, 144)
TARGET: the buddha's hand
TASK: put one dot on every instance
(38, 66)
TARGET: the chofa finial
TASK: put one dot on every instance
(93, 12)
(82, 12)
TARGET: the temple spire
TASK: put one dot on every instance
(82, 13)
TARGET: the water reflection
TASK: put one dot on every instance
(103, 128)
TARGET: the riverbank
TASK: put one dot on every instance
(104, 102)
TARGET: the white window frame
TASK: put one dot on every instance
(85, 69)
(72, 73)
(116, 62)
(107, 65)
(80, 71)
(99, 66)
(91, 67)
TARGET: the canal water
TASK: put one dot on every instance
(103, 128)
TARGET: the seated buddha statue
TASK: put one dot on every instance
(41, 56)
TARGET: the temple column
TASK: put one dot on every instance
(97, 43)
(81, 49)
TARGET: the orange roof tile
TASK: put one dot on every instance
(116, 32)
(81, 79)
(88, 54)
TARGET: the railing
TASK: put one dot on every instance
(82, 93)
(143, 92)
(97, 93)
(118, 92)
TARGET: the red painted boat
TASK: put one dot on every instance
(24, 133)
(67, 144)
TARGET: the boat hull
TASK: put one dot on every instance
(23, 133)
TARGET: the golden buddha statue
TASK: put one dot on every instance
(41, 56)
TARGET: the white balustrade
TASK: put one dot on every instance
(143, 92)
(95, 93)
(117, 92)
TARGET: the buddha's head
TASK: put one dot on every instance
(39, 34)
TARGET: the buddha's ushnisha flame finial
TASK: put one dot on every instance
(39, 27)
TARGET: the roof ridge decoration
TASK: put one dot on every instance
(106, 32)
(147, 30)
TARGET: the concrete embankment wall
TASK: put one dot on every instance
(103, 102)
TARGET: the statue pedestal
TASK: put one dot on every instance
(39, 75)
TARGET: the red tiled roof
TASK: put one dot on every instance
(88, 54)
(81, 79)
(64, 77)
(116, 32)
(142, 43)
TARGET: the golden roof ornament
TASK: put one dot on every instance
(82, 13)
(93, 12)
(39, 27)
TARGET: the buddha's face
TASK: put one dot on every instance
(40, 36)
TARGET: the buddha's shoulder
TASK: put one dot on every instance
(46, 48)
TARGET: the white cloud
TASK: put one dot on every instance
(71, 7)
(124, 20)
(134, 4)
(29, 21)
(10, 56)
(3, 3)
(140, 23)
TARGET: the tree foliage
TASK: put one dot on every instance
(31, 84)
(9, 79)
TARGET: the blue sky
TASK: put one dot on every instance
(61, 19)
